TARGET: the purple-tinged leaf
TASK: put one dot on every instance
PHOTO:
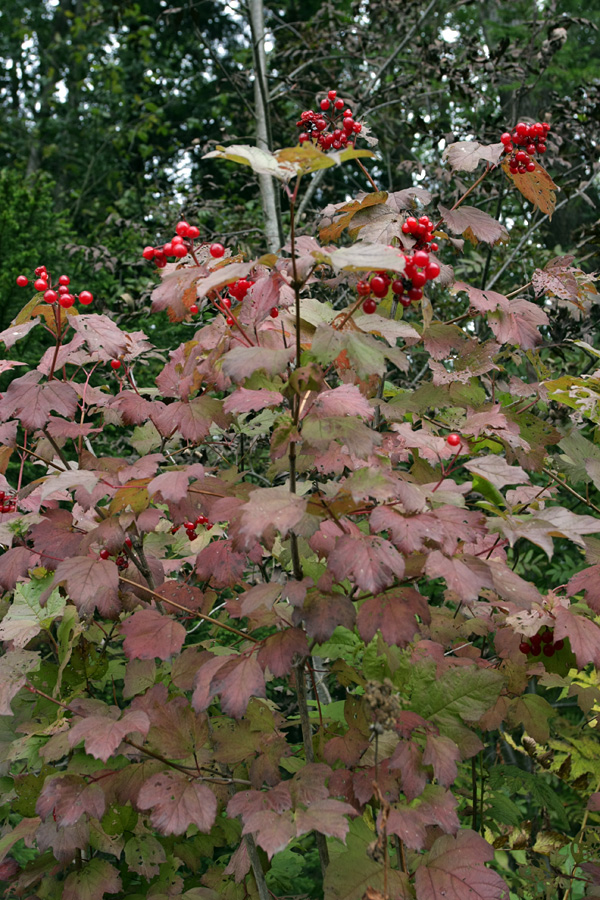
(102, 735)
(371, 562)
(191, 420)
(548, 523)
(345, 400)
(237, 683)
(66, 798)
(408, 757)
(468, 220)
(518, 324)
(394, 614)
(455, 868)
(326, 816)
(175, 803)
(323, 613)
(93, 882)
(583, 634)
(244, 400)
(269, 510)
(144, 855)
(150, 634)
(14, 565)
(465, 156)
(219, 565)
(279, 650)
(272, 831)
(496, 470)
(177, 291)
(105, 340)
(14, 668)
(63, 841)
(587, 580)
(241, 362)
(90, 583)
(32, 402)
(461, 578)
(443, 754)
(14, 333)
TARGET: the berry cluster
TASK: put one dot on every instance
(417, 272)
(333, 128)
(542, 642)
(531, 139)
(422, 231)
(179, 246)
(61, 292)
(7, 504)
(120, 558)
(191, 527)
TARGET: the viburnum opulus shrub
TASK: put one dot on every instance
(276, 645)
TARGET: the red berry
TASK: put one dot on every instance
(128, 542)
(121, 562)
(530, 167)
(66, 301)
(22, 280)
(324, 104)
(332, 94)
(405, 301)
(419, 279)
(86, 298)
(454, 440)
(115, 364)
(193, 232)
(505, 138)
(536, 640)
(189, 526)
(182, 228)
(40, 284)
(434, 247)
(50, 296)
(243, 286)
(303, 137)
(191, 533)
(160, 262)
(525, 648)
(148, 252)
(522, 129)
(420, 258)
(530, 148)
(558, 645)
(321, 124)
(379, 286)
(274, 312)
(432, 271)
(229, 320)
(415, 293)
(104, 554)
(541, 148)
(64, 279)
(41, 270)
(548, 650)
(548, 637)
(193, 309)
(339, 103)
(63, 289)
(216, 250)
(179, 251)
(369, 306)
(363, 288)
(168, 248)
(398, 287)
(357, 128)
(226, 302)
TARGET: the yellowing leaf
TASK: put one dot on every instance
(536, 186)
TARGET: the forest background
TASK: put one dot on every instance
(108, 112)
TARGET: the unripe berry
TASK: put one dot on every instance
(454, 440)
(86, 298)
(216, 250)
(115, 364)
(22, 280)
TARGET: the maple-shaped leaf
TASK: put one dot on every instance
(149, 634)
(497, 471)
(362, 257)
(14, 668)
(518, 323)
(90, 583)
(14, 333)
(219, 565)
(455, 868)
(442, 754)
(548, 523)
(272, 831)
(371, 562)
(144, 854)
(192, 420)
(359, 439)
(177, 290)
(338, 216)
(106, 341)
(353, 871)
(408, 757)
(465, 692)
(572, 287)
(63, 841)
(394, 614)
(102, 734)
(244, 400)
(474, 358)
(269, 510)
(237, 683)
(32, 402)
(465, 156)
(326, 816)
(323, 613)
(241, 362)
(68, 797)
(176, 802)
(468, 220)
(279, 650)
(536, 186)
(345, 400)
(96, 879)
(583, 634)
(587, 580)
(14, 565)
(25, 617)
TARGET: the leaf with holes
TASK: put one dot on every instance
(93, 882)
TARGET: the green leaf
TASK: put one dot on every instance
(516, 780)
(351, 872)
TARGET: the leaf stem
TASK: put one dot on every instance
(475, 184)
(570, 490)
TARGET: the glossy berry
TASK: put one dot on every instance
(548, 650)
(104, 554)
(339, 103)
(369, 306)
(379, 286)
(547, 637)
(405, 301)
(86, 298)
(22, 280)
(454, 440)
(216, 250)
(226, 302)
(193, 309)
(332, 94)
(193, 232)
(148, 252)
(179, 251)
(189, 526)
(182, 228)
(363, 288)
(558, 645)
(128, 542)
(398, 287)
(168, 248)
(432, 271)
(64, 279)
(115, 364)
(66, 301)
(415, 293)
(40, 284)
(50, 296)
(324, 104)
(525, 648)
(420, 258)
(230, 320)
(274, 312)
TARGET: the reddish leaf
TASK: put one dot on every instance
(272, 831)
(370, 562)
(454, 868)
(465, 156)
(393, 613)
(583, 634)
(324, 612)
(10, 336)
(14, 667)
(175, 803)
(279, 650)
(408, 757)
(177, 291)
(68, 797)
(55, 539)
(241, 362)
(518, 323)
(244, 400)
(149, 634)
(237, 683)
(496, 470)
(191, 420)
(443, 754)
(90, 583)
(476, 221)
(466, 581)
(93, 882)
(536, 186)
(63, 841)
(105, 340)
(32, 402)
(219, 565)
(345, 400)
(102, 735)
(269, 510)
(587, 580)
(14, 565)
(326, 816)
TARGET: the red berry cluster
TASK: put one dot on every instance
(179, 246)
(333, 128)
(422, 231)
(120, 558)
(531, 139)
(7, 504)
(542, 642)
(417, 272)
(61, 292)
(190, 527)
